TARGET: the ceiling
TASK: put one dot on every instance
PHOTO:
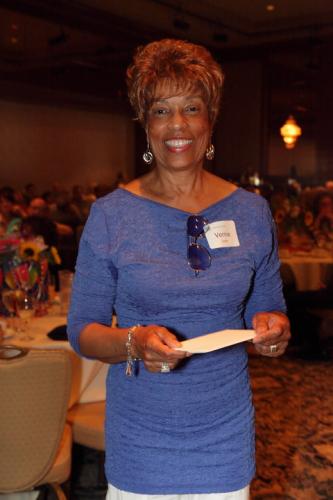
(230, 22)
(78, 50)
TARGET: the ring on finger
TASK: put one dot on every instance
(165, 368)
(273, 348)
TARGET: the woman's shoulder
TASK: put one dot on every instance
(254, 199)
(254, 208)
(250, 209)
(222, 189)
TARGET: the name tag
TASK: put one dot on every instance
(221, 234)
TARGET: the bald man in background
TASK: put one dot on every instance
(38, 206)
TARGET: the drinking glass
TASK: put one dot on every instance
(25, 306)
(9, 301)
(9, 297)
(41, 289)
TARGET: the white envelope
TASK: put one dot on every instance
(216, 340)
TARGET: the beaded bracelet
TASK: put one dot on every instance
(130, 359)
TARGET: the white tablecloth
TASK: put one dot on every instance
(88, 376)
(311, 270)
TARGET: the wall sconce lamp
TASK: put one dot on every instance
(290, 132)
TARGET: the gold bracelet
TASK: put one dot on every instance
(130, 360)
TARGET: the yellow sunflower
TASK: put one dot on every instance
(28, 250)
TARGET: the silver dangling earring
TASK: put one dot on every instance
(148, 155)
(210, 152)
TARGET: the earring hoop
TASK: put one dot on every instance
(148, 156)
(210, 152)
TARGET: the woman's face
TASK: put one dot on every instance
(179, 130)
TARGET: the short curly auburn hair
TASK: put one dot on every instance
(179, 64)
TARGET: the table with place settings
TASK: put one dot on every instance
(88, 375)
(311, 270)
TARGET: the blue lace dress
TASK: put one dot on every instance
(191, 430)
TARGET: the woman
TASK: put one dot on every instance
(181, 424)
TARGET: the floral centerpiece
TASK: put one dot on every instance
(24, 266)
(299, 229)
(295, 226)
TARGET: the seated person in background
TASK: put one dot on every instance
(89, 194)
(323, 210)
(49, 199)
(38, 206)
(66, 213)
(29, 193)
(10, 214)
(80, 203)
(35, 226)
(66, 217)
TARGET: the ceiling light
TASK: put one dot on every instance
(270, 7)
(290, 132)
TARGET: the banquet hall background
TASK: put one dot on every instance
(68, 136)
(64, 111)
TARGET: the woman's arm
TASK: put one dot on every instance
(265, 308)
(93, 296)
(152, 344)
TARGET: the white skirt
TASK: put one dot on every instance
(115, 494)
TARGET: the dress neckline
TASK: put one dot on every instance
(159, 203)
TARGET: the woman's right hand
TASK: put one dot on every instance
(155, 345)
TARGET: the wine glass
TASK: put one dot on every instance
(9, 296)
(25, 307)
(41, 289)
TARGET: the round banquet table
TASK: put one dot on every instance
(88, 376)
(311, 270)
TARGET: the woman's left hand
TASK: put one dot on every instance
(272, 333)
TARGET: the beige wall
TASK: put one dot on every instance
(44, 144)
(238, 134)
(303, 157)
(243, 140)
(324, 114)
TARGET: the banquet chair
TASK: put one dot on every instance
(35, 441)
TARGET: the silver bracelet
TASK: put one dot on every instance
(130, 360)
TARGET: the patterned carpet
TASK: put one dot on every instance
(294, 427)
